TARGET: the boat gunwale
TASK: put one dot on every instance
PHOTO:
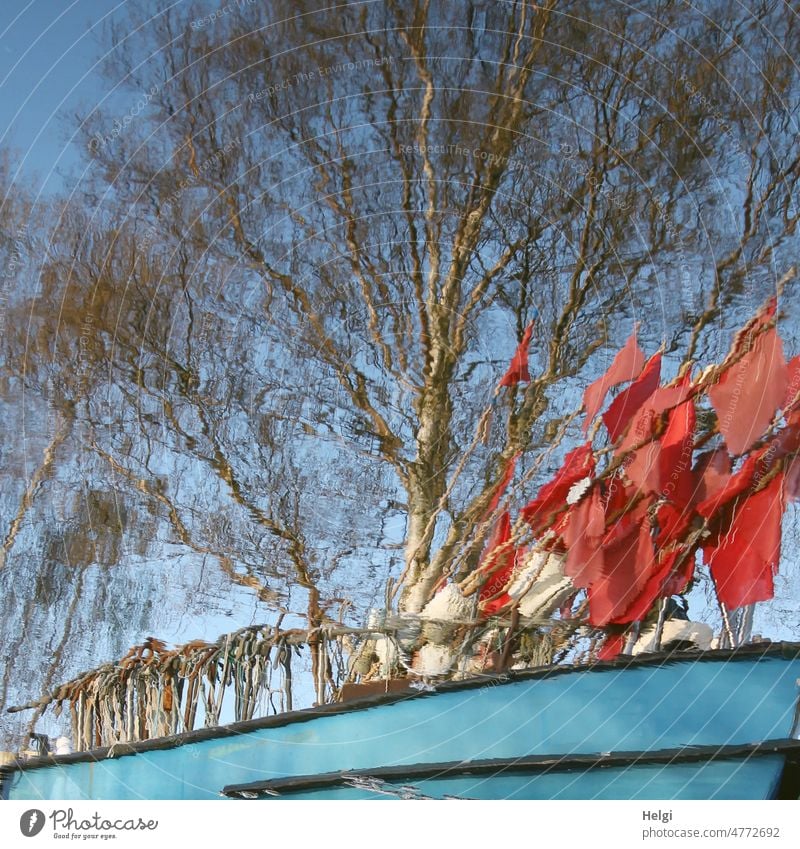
(787, 650)
(786, 746)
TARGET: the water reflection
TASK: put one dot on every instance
(246, 361)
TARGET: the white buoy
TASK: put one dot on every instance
(448, 604)
(63, 746)
(675, 629)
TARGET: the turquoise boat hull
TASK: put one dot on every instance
(716, 725)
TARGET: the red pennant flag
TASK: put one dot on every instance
(551, 501)
(747, 393)
(498, 561)
(612, 647)
(627, 365)
(644, 420)
(652, 589)
(628, 562)
(619, 525)
(583, 537)
(673, 524)
(662, 583)
(678, 580)
(518, 370)
(628, 401)
(711, 473)
(665, 580)
(746, 558)
(496, 549)
(677, 447)
(643, 467)
(729, 487)
(492, 606)
(617, 494)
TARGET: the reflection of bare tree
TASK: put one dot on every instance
(287, 300)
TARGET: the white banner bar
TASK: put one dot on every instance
(351, 825)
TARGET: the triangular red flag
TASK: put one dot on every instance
(677, 447)
(518, 370)
(500, 535)
(627, 365)
(729, 487)
(583, 536)
(746, 557)
(645, 466)
(644, 420)
(612, 647)
(711, 474)
(747, 393)
(617, 416)
(628, 562)
(552, 498)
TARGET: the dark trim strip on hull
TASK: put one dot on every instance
(494, 766)
(754, 651)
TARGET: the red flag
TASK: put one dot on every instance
(729, 487)
(583, 536)
(662, 583)
(552, 498)
(747, 393)
(643, 467)
(677, 447)
(617, 495)
(746, 557)
(621, 524)
(628, 401)
(518, 370)
(495, 551)
(711, 473)
(628, 562)
(612, 647)
(627, 365)
(492, 606)
(652, 589)
(673, 524)
(679, 578)
(644, 420)
(498, 561)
